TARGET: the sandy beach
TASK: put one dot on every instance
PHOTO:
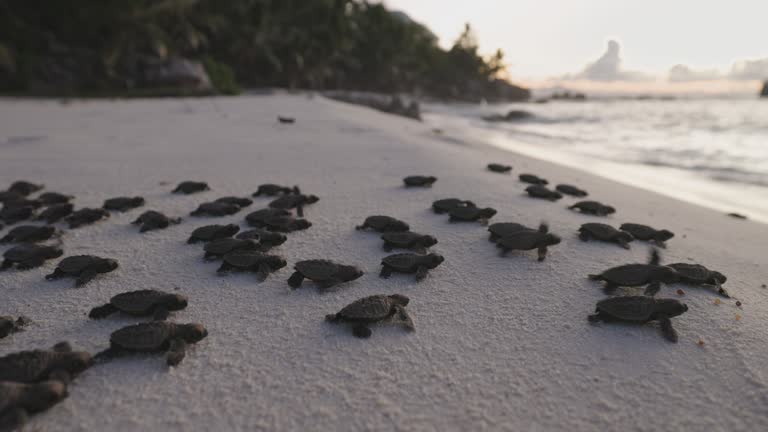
(501, 343)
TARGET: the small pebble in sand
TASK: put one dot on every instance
(680, 292)
(717, 301)
(763, 286)
(700, 342)
(738, 317)
(738, 303)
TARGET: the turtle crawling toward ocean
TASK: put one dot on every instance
(383, 224)
(15, 214)
(571, 190)
(408, 240)
(238, 201)
(296, 200)
(532, 179)
(216, 209)
(324, 273)
(28, 256)
(55, 213)
(141, 303)
(543, 192)
(372, 309)
(640, 309)
(499, 168)
(272, 190)
(529, 239)
(279, 220)
(218, 248)
(51, 198)
(606, 233)
(445, 205)
(633, 275)
(593, 208)
(190, 187)
(212, 232)
(82, 267)
(471, 214)
(646, 233)
(123, 204)
(267, 239)
(86, 216)
(154, 220)
(410, 263)
(503, 229)
(252, 261)
(19, 400)
(698, 275)
(152, 337)
(59, 362)
(419, 181)
(29, 234)
(10, 325)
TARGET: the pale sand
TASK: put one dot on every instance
(501, 343)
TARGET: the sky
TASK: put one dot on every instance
(612, 43)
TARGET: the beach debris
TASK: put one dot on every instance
(471, 214)
(503, 229)
(286, 120)
(593, 208)
(499, 168)
(10, 325)
(28, 234)
(408, 240)
(141, 303)
(296, 200)
(51, 198)
(266, 239)
(543, 192)
(154, 220)
(238, 201)
(218, 248)
(571, 190)
(680, 292)
(212, 232)
(700, 342)
(717, 302)
(154, 337)
(640, 309)
(86, 216)
(532, 179)
(55, 213)
(632, 275)
(383, 224)
(737, 215)
(646, 233)
(698, 275)
(216, 209)
(82, 267)
(24, 188)
(190, 187)
(419, 181)
(324, 273)
(606, 233)
(372, 309)
(123, 204)
(445, 205)
(529, 239)
(738, 317)
(270, 189)
(27, 256)
(252, 261)
(276, 220)
(59, 363)
(738, 304)
(410, 263)
(11, 214)
(19, 400)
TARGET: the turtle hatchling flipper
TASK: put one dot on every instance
(176, 352)
(6, 265)
(623, 243)
(653, 288)
(542, 253)
(102, 311)
(160, 314)
(655, 258)
(85, 277)
(421, 273)
(263, 272)
(483, 222)
(386, 272)
(295, 280)
(361, 331)
(55, 275)
(594, 318)
(300, 210)
(404, 318)
(666, 329)
(13, 420)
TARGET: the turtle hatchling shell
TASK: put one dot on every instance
(373, 308)
(225, 245)
(627, 275)
(401, 238)
(137, 302)
(243, 259)
(21, 252)
(602, 231)
(75, 264)
(404, 261)
(143, 337)
(628, 308)
(24, 366)
(503, 229)
(693, 272)
(316, 269)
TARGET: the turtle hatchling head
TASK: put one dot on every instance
(137, 201)
(301, 224)
(175, 302)
(434, 260)
(718, 277)
(74, 362)
(428, 241)
(550, 239)
(276, 262)
(670, 307)
(609, 210)
(107, 265)
(487, 213)
(53, 252)
(399, 299)
(309, 199)
(664, 235)
(349, 273)
(192, 332)
(44, 395)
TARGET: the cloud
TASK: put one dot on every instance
(683, 73)
(750, 70)
(608, 67)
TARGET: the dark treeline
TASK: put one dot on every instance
(106, 46)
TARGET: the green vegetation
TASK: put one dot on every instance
(115, 46)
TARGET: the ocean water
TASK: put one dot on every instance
(712, 152)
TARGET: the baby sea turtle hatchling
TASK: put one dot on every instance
(297, 201)
(499, 168)
(190, 187)
(272, 190)
(218, 248)
(646, 233)
(445, 205)
(155, 336)
(419, 181)
(153, 220)
(12, 215)
(253, 261)
(19, 400)
(10, 325)
(286, 120)
(532, 179)
(408, 240)
(51, 198)
(593, 208)
(23, 202)
(529, 239)
(240, 202)
(282, 224)
(86, 216)
(503, 229)
(324, 273)
(471, 214)
(571, 190)
(267, 239)
(383, 224)
(123, 204)
(27, 256)
(147, 302)
(216, 209)
(543, 192)
(259, 216)
(633, 275)
(606, 233)
(698, 275)
(55, 213)
(372, 309)
(25, 188)
(640, 309)
(213, 232)
(60, 363)
(83, 268)
(410, 263)
(29, 234)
